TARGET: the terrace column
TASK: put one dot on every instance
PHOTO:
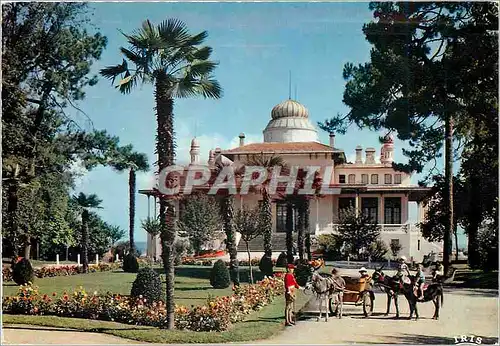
(381, 211)
(357, 203)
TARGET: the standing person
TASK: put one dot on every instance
(438, 272)
(290, 286)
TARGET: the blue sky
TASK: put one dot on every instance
(257, 44)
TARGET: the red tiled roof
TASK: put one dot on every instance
(280, 147)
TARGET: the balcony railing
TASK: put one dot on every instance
(406, 228)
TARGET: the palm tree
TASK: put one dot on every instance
(85, 203)
(127, 159)
(226, 202)
(171, 59)
(267, 162)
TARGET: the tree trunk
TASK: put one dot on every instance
(307, 229)
(449, 191)
(85, 240)
(227, 216)
(289, 232)
(300, 230)
(27, 247)
(165, 149)
(12, 207)
(67, 252)
(456, 243)
(131, 193)
(249, 262)
(474, 217)
(268, 224)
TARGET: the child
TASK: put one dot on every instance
(403, 270)
(290, 286)
(438, 272)
(420, 281)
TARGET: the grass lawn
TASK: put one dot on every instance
(192, 284)
(258, 325)
(192, 288)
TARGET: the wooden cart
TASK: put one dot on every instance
(357, 292)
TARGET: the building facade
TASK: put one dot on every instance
(368, 184)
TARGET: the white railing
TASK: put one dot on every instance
(406, 228)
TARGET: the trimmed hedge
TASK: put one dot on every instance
(147, 285)
(266, 265)
(219, 277)
(23, 272)
(130, 264)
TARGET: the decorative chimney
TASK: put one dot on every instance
(370, 156)
(387, 150)
(195, 151)
(359, 155)
(242, 139)
(332, 140)
(211, 158)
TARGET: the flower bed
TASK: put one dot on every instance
(217, 315)
(65, 270)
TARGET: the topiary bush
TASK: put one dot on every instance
(282, 260)
(148, 284)
(219, 277)
(130, 264)
(303, 272)
(266, 265)
(23, 272)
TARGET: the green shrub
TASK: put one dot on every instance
(266, 265)
(219, 277)
(148, 284)
(377, 251)
(303, 272)
(181, 249)
(282, 260)
(330, 245)
(23, 272)
(130, 264)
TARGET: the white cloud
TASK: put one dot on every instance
(209, 141)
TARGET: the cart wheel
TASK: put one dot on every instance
(334, 310)
(367, 304)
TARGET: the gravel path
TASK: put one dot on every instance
(57, 336)
(465, 311)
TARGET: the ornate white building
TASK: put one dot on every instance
(372, 186)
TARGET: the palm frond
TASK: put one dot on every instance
(199, 68)
(202, 53)
(128, 83)
(87, 201)
(134, 57)
(111, 72)
(173, 32)
(209, 88)
(197, 39)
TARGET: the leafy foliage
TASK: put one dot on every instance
(130, 263)
(22, 272)
(377, 250)
(303, 273)
(147, 285)
(151, 225)
(266, 265)
(181, 249)
(395, 247)
(200, 221)
(331, 246)
(219, 277)
(356, 232)
(282, 260)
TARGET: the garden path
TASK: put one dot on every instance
(22, 334)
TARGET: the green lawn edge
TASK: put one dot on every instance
(259, 325)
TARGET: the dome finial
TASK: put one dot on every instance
(290, 84)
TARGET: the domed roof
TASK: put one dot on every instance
(388, 138)
(289, 109)
(195, 143)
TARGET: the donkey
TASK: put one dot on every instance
(391, 286)
(327, 288)
(432, 292)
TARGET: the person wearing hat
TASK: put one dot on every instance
(290, 286)
(363, 273)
